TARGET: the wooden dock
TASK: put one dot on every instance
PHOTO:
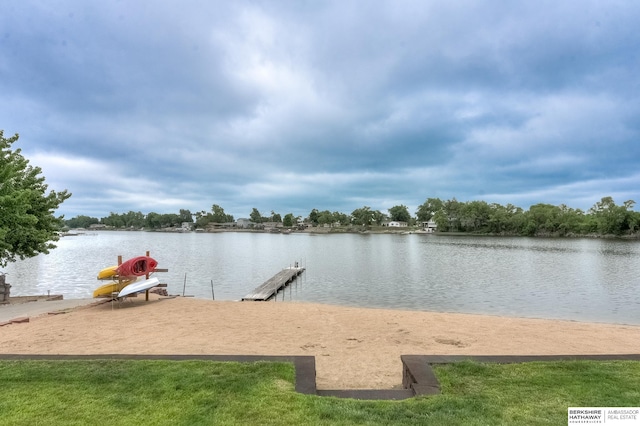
(274, 284)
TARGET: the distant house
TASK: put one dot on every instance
(395, 224)
(187, 226)
(429, 226)
(244, 223)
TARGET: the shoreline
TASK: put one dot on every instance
(377, 230)
(22, 299)
(355, 348)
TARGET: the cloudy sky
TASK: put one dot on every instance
(293, 105)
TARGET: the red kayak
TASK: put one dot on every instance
(137, 266)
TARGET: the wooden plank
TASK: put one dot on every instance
(271, 287)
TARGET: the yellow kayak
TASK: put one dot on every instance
(107, 273)
(107, 290)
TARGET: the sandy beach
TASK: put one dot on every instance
(355, 348)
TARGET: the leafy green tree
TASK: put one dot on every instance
(288, 220)
(452, 211)
(186, 216)
(474, 216)
(219, 216)
(400, 213)
(255, 216)
(170, 220)
(442, 221)
(313, 217)
(362, 216)
(341, 218)
(153, 221)
(379, 217)
(114, 219)
(613, 219)
(515, 219)
(572, 221)
(325, 217)
(130, 219)
(427, 209)
(275, 217)
(134, 219)
(81, 221)
(28, 225)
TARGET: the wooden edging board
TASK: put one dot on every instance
(418, 375)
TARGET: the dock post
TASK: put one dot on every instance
(184, 286)
(146, 293)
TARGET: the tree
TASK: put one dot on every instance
(363, 216)
(114, 219)
(325, 218)
(81, 221)
(219, 216)
(400, 213)
(378, 217)
(133, 219)
(313, 217)
(170, 220)
(288, 220)
(429, 208)
(28, 225)
(452, 212)
(341, 217)
(474, 215)
(275, 217)
(255, 216)
(153, 220)
(185, 215)
(613, 219)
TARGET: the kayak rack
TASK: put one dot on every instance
(146, 292)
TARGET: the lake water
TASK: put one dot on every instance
(579, 279)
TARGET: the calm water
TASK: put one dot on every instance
(579, 279)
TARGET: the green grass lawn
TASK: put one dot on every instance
(133, 392)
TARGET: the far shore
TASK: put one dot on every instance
(349, 230)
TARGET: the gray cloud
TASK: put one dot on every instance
(290, 107)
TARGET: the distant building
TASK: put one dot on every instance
(429, 226)
(244, 223)
(395, 224)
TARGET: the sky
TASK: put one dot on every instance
(287, 106)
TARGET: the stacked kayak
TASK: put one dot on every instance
(107, 273)
(138, 287)
(137, 267)
(125, 277)
(107, 290)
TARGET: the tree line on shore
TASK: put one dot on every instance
(604, 218)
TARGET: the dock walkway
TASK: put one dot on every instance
(271, 287)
